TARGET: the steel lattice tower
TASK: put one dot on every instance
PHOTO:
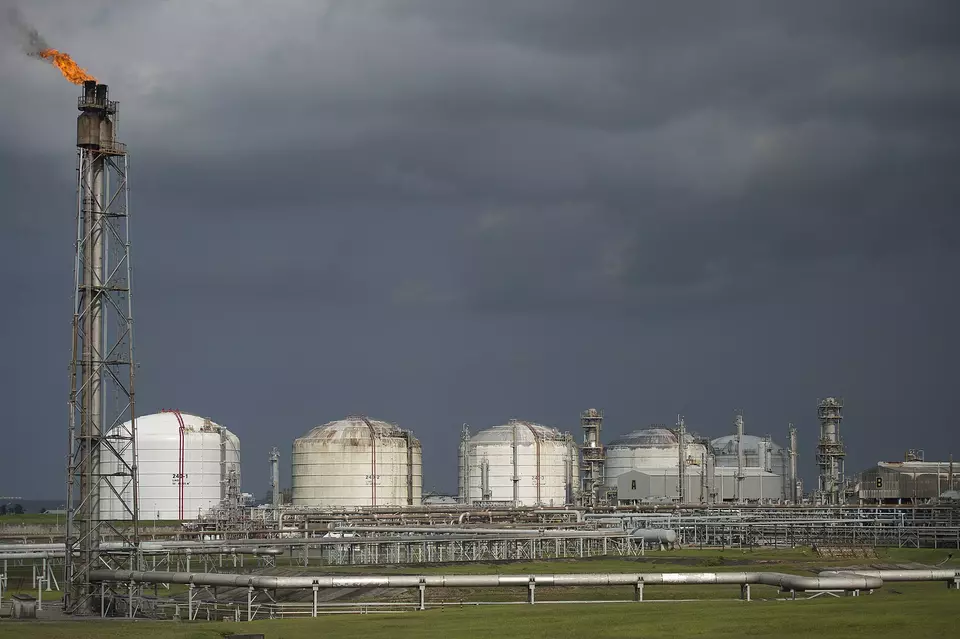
(102, 457)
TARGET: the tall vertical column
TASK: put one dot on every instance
(592, 457)
(464, 464)
(738, 424)
(681, 460)
(830, 452)
(102, 457)
(275, 478)
(793, 494)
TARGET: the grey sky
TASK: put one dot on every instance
(449, 211)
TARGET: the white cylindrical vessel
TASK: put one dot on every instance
(356, 462)
(183, 465)
(655, 449)
(521, 463)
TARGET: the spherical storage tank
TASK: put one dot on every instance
(656, 449)
(357, 462)
(184, 466)
(542, 460)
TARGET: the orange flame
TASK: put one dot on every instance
(70, 69)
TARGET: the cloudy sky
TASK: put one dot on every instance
(439, 212)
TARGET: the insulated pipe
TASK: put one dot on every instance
(373, 461)
(949, 574)
(740, 461)
(226, 550)
(275, 478)
(560, 511)
(658, 535)
(268, 552)
(444, 530)
(516, 469)
(781, 580)
(181, 466)
(465, 466)
(711, 474)
(8, 556)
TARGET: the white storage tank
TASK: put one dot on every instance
(762, 457)
(521, 463)
(655, 449)
(355, 462)
(185, 463)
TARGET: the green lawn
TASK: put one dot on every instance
(932, 615)
(920, 609)
(31, 519)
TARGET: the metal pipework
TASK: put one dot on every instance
(783, 581)
(593, 458)
(682, 460)
(792, 432)
(560, 511)
(516, 467)
(275, 478)
(13, 556)
(658, 535)
(738, 422)
(949, 574)
(452, 530)
(464, 463)
(225, 550)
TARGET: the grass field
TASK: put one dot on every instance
(916, 609)
(32, 519)
(935, 614)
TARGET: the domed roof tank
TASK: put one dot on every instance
(519, 462)
(184, 462)
(655, 449)
(354, 462)
(758, 452)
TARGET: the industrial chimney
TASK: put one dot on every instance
(102, 427)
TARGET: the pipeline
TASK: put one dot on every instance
(7, 556)
(536, 441)
(786, 582)
(658, 535)
(560, 511)
(949, 574)
(39, 551)
(453, 530)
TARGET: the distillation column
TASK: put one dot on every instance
(793, 495)
(830, 452)
(738, 423)
(275, 478)
(463, 458)
(592, 457)
(682, 460)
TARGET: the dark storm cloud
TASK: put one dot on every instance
(468, 189)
